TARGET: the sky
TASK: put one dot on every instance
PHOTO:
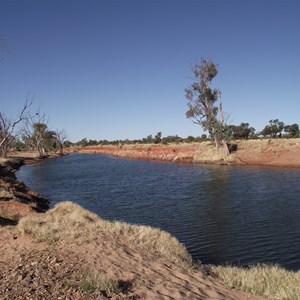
(117, 69)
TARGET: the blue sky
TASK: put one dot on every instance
(117, 69)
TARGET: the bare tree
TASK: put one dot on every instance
(61, 136)
(222, 130)
(35, 131)
(8, 128)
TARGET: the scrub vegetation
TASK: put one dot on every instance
(102, 283)
(262, 280)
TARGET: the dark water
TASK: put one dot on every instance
(240, 215)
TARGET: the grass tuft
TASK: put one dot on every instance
(102, 283)
(261, 280)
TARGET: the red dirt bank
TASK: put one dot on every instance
(272, 152)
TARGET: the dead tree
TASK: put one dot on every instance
(8, 128)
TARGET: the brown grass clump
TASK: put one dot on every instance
(6, 195)
(154, 239)
(100, 282)
(261, 280)
(7, 213)
(70, 221)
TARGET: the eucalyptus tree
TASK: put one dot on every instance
(242, 131)
(274, 128)
(35, 132)
(157, 138)
(292, 130)
(37, 136)
(202, 102)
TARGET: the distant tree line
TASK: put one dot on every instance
(274, 129)
(150, 139)
(30, 132)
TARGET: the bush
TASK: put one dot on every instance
(261, 280)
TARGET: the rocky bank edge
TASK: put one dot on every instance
(268, 152)
(16, 199)
(35, 269)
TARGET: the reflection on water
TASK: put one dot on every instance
(221, 213)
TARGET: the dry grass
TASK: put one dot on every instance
(262, 280)
(70, 221)
(6, 195)
(7, 213)
(100, 282)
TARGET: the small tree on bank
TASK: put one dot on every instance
(202, 101)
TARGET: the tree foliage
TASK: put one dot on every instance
(274, 129)
(242, 131)
(292, 130)
(37, 136)
(157, 138)
(202, 99)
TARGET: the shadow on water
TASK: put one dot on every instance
(209, 214)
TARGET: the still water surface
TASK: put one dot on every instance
(223, 214)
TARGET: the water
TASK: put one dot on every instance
(223, 214)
